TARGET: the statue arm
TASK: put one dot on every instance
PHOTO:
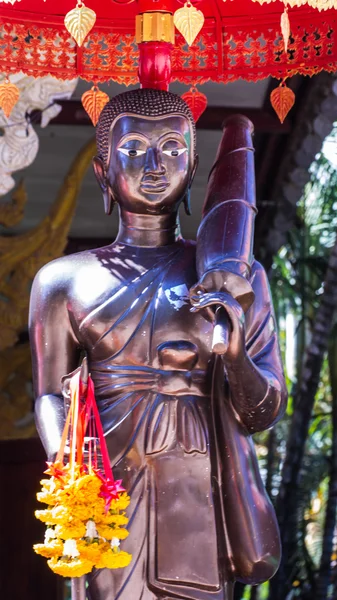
(55, 351)
(257, 387)
(252, 362)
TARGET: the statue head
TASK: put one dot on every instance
(146, 141)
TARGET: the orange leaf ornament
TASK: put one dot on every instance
(196, 101)
(93, 103)
(282, 100)
(79, 22)
(9, 95)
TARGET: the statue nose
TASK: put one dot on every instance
(153, 163)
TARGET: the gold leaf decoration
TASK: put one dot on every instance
(79, 22)
(282, 100)
(93, 103)
(189, 21)
(196, 101)
(285, 28)
(9, 95)
(319, 4)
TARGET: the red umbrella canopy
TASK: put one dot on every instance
(239, 39)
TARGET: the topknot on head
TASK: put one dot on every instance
(144, 103)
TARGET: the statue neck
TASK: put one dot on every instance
(148, 230)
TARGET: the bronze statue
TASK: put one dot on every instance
(177, 417)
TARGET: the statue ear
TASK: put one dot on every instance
(187, 202)
(187, 198)
(100, 173)
(194, 168)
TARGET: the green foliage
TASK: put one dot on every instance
(296, 282)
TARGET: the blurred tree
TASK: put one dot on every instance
(325, 567)
(298, 272)
(299, 456)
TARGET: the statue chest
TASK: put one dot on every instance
(141, 314)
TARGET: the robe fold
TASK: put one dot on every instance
(199, 511)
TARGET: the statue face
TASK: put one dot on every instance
(150, 163)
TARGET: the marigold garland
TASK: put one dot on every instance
(85, 514)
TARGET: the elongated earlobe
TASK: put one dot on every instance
(109, 201)
(187, 198)
(100, 174)
(187, 202)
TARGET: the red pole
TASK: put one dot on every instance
(155, 37)
(155, 65)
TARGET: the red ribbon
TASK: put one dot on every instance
(83, 418)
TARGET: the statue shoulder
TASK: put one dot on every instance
(58, 275)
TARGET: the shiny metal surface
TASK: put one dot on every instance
(177, 419)
(78, 591)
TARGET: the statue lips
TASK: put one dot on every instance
(154, 184)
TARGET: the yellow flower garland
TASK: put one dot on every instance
(81, 533)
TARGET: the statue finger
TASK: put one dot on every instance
(197, 289)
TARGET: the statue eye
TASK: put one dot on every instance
(131, 152)
(175, 151)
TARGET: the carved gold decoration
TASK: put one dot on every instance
(282, 100)
(285, 28)
(154, 27)
(11, 213)
(93, 103)
(9, 95)
(189, 21)
(21, 256)
(79, 22)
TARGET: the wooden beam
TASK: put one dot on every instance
(264, 121)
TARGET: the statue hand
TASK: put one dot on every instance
(211, 300)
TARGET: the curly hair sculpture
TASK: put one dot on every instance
(144, 103)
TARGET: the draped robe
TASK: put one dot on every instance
(199, 515)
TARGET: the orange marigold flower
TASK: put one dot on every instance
(113, 560)
(61, 515)
(73, 530)
(70, 568)
(110, 532)
(74, 500)
(92, 550)
(46, 497)
(118, 520)
(53, 548)
(122, 503)
(46, 516)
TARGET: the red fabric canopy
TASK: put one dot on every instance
(240, 39)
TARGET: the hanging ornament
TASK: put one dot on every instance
(319, 4)
(9, 95)
(189, 21)
(79, 22)
(285, 28)
(282, 100)
(85, 514)
(196, 101)
(93, 103)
